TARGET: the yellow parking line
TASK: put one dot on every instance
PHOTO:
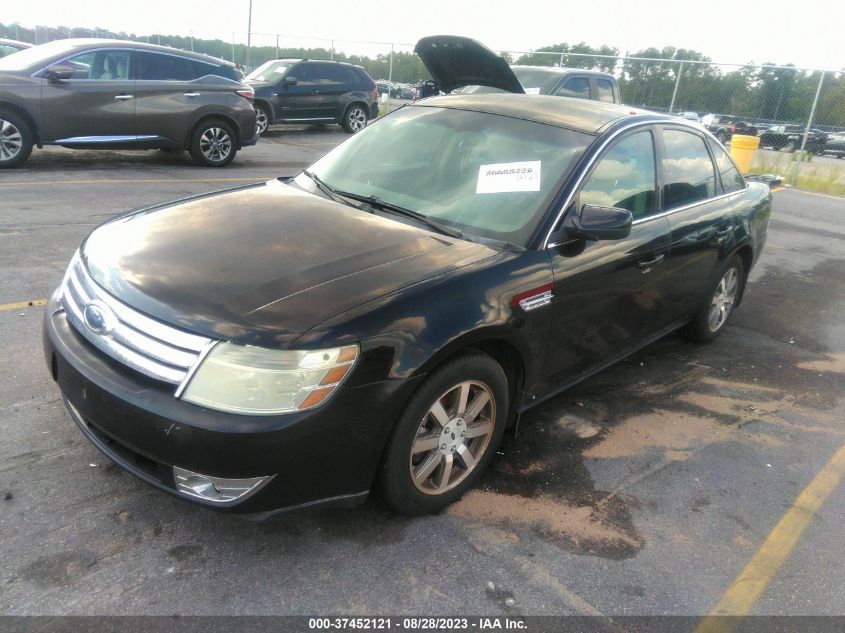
(741, 596)
(130, 181)
(777, 189)
(22, 304)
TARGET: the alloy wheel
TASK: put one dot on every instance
(452, 437)
(723, 299)
(215, 144)
(11, 140)
(357, 119)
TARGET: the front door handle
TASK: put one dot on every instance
(646, 265)
(191, 94)
(124, 97)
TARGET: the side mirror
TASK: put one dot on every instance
(289, 81)
(60, 72)
(602, 223)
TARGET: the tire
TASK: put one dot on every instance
(446, 462)
(721, 137)
(15, 140)
(213, 143)
(354, 119)
(717, 309)
(262, 119)
(790, 146)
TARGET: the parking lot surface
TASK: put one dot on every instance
(645, 490)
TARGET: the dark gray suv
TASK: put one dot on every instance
(86, 93)
(313, 91)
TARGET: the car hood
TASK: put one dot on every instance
(455, 61)
(262, 265)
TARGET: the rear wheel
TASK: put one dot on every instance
(446, 436)
(213, 143)
(15, 140)
(355, 119)
(791, 146)
(262, 119)
(711, 317)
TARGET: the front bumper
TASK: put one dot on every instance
(326, 456)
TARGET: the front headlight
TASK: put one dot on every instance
(259, 381)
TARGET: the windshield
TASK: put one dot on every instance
(534, 79)
(29, 57)
(486, 175)
(268, 71)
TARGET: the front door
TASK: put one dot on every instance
(96, 105)
(609, 295)
(299, 100)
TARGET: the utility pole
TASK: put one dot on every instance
(277, 46)
(807, 129)
(675, 91)
(249, 35)
(233, 47)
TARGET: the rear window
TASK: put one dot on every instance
(689, 171)
(578, 87)
(605, 89)
(333, 74)
(728, 173)
(155, 66)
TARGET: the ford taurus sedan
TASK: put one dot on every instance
(378, 321)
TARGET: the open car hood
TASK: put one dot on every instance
(455, 61)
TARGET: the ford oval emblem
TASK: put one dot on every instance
(98, 317)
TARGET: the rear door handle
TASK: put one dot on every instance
(646, 266)
(124, 97)
(191, 94)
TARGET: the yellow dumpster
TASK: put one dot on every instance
(742, 151)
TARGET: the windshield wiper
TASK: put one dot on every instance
(375, 201)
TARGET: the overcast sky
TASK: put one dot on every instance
(807, 33)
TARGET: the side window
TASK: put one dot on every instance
(728, 173)
(333, 74)
(625, 177)
(578, 87)
(605, 90)
(164, 67)
(102, 65)
(201, 69)
(689, 170)
(304, 73)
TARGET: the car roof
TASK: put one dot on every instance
(565, 70)
(296, 60)
(581, 115)
(83, 43)
(4, 40)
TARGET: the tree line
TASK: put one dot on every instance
(751, 91)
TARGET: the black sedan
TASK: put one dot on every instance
(378, 321)
(790, 137)
(835, 145)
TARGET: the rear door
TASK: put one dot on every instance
(96, 105)
(168, 96)
(333, 82)
(609, 295)
(574, 86)
(700, 216)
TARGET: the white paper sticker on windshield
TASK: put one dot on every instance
(532, 91)
(505, 177)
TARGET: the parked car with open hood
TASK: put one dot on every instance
(376, 322)
(111, 94)
(314, 91)
(465, 66)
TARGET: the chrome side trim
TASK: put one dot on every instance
(695, 127)
(134, 339)
(318, 118)
(217, 490)
(537, 301)
(107, 139)
(688, 206)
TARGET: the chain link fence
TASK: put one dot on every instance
(798, 113)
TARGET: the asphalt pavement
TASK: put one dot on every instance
(646, 490)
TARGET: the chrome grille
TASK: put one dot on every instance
(144, 344)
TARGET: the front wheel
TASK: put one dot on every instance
(213, 143)
(15, 140)
(446, 436)
(711, 317)
(355, 119)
